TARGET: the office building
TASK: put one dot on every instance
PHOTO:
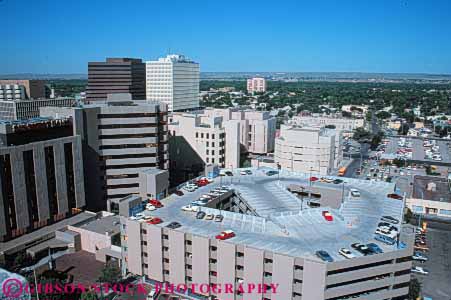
(116, 75)
(257, 128)
(304, 149)
(256, 84)
(173, 80)
(12, 92)
(33, 89)
(41, 175)
(120, 138)
(275, 240)
(12, 110)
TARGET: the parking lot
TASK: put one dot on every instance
(437, 284)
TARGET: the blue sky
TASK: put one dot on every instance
(61, 36)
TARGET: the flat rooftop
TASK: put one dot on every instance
(109, 224)
(282, 222)
(431, 188)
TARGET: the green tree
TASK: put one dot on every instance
(361, 135)
(383, 115)
(110, 273)
(414, 289)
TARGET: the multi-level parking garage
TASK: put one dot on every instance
(276, 238)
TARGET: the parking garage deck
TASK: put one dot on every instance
(281, 222)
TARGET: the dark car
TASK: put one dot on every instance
(395, 196)
(389, 219)
(364, 249)
(200, 215)
(248, 172)
(324, 255)
(375, 248)
(228, 173)
(174, 225)
(178, 193)
(271, 173)
(338, 181)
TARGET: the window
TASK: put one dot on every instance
(143, 243)
(188, 242)
(212, 152)
(213, 248)
(208, 135)
(166, 260)
(202, 135)
(212, 144)
(213, 136)
(445, 212)
(208, 152)
(165, 237)
(239, 254)
(417, 209)
(197, 134)
(268, 261)
(208, 144)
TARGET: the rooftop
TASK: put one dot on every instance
(431, 188)
(282, 222)
(107, 225)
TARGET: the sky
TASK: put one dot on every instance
(393, 36)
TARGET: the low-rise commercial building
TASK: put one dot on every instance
(305, 149)
(334, 121)
(12, 92)
(431, 196)
(274, 241)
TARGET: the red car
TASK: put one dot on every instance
(154, 220)
(328, 216)
(155, 203)
(395, 196)
(202, 182)
(226, 234)
(313, 178)
(178, 193)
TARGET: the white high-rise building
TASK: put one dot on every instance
(173, 80)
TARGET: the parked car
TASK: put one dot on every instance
(346, 253)
(324, 256)
(362, 248)
(219, 218)
(155, 203)
(375, 248)
(420, 270)
(179, 193)
(271, 173)
(314, 178)
(338, 181)
(327, 216)
(209, 217)
(228, 173)
(395, 196)
(150, 207)
(174, 225)
(200, 215)
(154, 221)
(243, 172)
(191, 207)
(248, 172)
(418, 256)
(226, 234)
(355, 192)
(390, 219)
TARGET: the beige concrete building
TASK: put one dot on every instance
(257, 128)
(256, 84)
(34, 89)
(274, 244)
(340, 123)
(305, 149)
(208, 137)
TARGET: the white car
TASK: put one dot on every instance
(346, 253)
(243, 173)
(420, 270)
(419, 257)
(189, 207)
(150, 207)
(355, 193)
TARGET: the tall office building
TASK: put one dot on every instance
(256, 84)
(173, 80)
(41, 175)
(120, 138)
(116, 75)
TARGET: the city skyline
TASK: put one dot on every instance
(384, 37)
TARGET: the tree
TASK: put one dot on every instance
(414, 289)
(408, 215)
(361, 135)
(383, 115)
(110, 273)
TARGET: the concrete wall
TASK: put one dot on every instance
(226, 268)
(314, 283)
(282, 274)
